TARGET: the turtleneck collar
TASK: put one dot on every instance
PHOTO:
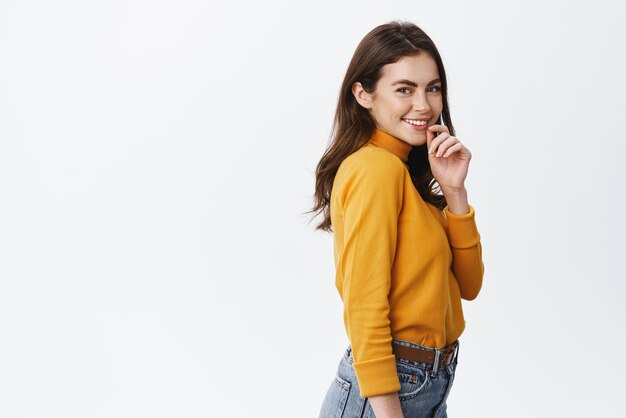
(395, 145)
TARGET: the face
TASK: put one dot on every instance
(408, 89)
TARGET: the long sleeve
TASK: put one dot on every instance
(466, 249)
(370, 193)
(400, 271)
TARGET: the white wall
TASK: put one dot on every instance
(156, 158)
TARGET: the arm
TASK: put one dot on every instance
(386, 406)
(370, 193)
(464, 238)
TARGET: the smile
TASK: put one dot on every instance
(415, 121)
(416, 124)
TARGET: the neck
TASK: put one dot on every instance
(391, 143)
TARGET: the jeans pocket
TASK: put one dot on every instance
(340, 395)
(413, 381)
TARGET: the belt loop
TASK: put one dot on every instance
(436, 363)
(456, 351)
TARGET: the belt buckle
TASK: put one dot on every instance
(453, 352)
(456, 352)
(437, 364)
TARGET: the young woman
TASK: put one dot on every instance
(405, 255)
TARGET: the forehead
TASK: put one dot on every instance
(420, 68)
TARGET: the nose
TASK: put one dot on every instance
(420, 104)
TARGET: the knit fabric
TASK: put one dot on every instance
(402, 266)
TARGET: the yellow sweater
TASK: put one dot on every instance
(402, 266)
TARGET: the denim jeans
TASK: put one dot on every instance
(422, 393)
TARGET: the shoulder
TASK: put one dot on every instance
(369, 174)
(372, 162)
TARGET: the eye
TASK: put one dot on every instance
(403, 88)
(438, 89)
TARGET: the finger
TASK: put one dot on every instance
(430, 135)
(432, 132)
(454, 148)
(435, 144)
(448, 142)
(438, 129)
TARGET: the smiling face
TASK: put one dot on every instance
(408, 89)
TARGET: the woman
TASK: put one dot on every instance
(405, 255)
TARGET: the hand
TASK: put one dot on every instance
(450, 167)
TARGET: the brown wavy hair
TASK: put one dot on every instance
(353, 125)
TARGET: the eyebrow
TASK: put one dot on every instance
(412, 83)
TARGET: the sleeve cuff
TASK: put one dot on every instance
(462, 230)
(378, 376)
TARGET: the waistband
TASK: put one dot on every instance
(416, 355)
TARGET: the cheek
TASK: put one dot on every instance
(436, 103)
(392, 109)
(399, 108)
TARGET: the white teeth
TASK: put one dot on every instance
(415, 122)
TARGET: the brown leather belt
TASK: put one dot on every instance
(446, 356)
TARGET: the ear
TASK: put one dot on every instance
(361, 96)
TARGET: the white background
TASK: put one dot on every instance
(156, 159)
